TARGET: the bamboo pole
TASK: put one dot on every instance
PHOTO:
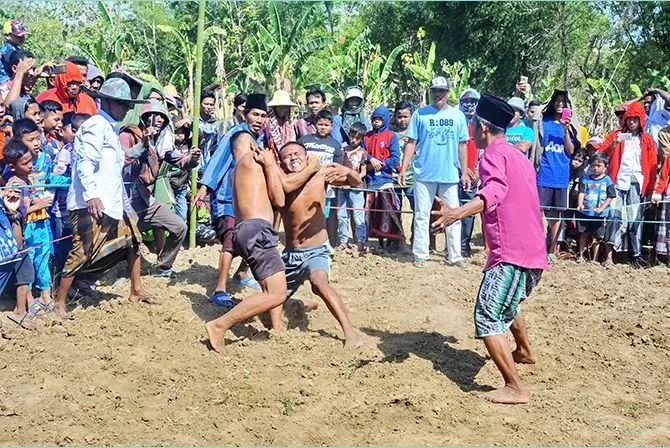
(196, 116)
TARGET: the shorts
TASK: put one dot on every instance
(300, 263)
(224, 226)
(554, 198)
(255, 240)
(595, 225)
(503, 288)
(16, 271)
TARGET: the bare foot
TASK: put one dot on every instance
(145, 298)
(61, 313)
(354, 340)
(215, 337)
(507, 395)
(310, 304)
(522, 357)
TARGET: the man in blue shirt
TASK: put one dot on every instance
(439, 135)
(15, 35)
(518, 134)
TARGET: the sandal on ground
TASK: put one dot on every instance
(25, 322)
(223, 299)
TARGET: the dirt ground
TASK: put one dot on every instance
(139, 374)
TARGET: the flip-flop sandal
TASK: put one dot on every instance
(25, 322)
(223, 299)
(35, 310)
(47, 307)
(249, 282)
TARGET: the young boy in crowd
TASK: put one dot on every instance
(403, 113)
(61, 226)
(329, 150)
(52, 125)
(596, 194)
(13, 265)
(37, 230)
(354, 158)
(179, 179)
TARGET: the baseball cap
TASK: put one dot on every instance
(15, 27)
(517, 103)
(354, 92)
(440, 83)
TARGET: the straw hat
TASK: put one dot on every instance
(281, 98)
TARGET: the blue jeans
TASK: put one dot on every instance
(351, 199)
(181, 206)
(469, 222)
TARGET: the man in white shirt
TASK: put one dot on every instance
(103, 223)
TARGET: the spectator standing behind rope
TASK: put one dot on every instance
(439, 134)
(68, 92)
(15, 35)
(142, 171)
(383, 156)
(104, 225)
(633, 163)
(467, 103)
(559, 141)
(316, 101)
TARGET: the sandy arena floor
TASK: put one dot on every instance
(138, 374)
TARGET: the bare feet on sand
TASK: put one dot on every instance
(354, 340)
(523, 357)
(145, 298)
(215, 337)
(507, 395)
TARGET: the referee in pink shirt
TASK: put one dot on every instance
(514, 232)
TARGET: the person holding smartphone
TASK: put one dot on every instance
(633, 163)
(559, 139)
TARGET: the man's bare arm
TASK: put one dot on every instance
(275, 191)
(293, 181)
(339, 175)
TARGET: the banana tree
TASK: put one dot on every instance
(423, 72)
(111, 48)
(188, 52)
(279, 53)
(376, 74)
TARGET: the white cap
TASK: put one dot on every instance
(354, 92)
(440, 83)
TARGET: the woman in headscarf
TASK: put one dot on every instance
(353, 111)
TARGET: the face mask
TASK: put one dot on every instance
(468, 108)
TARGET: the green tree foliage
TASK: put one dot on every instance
(603, 52)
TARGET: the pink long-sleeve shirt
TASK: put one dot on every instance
(512, 221)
